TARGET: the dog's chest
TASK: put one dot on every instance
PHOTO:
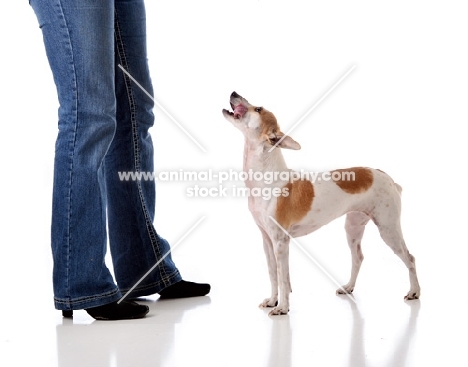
(261, 210)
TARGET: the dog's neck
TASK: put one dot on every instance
(258, 159)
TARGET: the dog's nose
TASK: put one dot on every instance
(234, 95)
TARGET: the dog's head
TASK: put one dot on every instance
(257, 124)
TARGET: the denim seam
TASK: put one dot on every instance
(163, 282)
(77, 301)
(62, 17)
(136, 149)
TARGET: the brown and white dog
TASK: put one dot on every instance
(301, 206)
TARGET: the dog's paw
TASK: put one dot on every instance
(269, 302)
(279, 311)
(346, 289)
(412, 295)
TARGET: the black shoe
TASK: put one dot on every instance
(185, 289)
(124, 310)
(67, 314)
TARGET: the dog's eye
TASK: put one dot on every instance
(258, 109)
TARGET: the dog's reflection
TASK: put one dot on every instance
(280, 342)
(403, 345)
(281, 339)
(357, 351)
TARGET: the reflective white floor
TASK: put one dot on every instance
(227, 328)
(403, 110)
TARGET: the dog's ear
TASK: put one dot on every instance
(285, 142)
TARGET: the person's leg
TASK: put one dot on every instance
(79, 41)
(135, 245)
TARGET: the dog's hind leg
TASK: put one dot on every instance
(354, 226)
(393, 237)
(272, 270)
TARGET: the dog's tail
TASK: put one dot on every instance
(399, 188)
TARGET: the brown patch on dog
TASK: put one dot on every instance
(292, 208)
(363, 179)
(269, 122)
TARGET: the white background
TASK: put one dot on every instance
(402, 109)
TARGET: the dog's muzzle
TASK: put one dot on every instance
(237, 106)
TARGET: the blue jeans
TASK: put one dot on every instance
(103, 123)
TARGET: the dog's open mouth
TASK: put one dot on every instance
(238, 111)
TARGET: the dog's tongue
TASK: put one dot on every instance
(239, 111)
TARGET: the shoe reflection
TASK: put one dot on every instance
(143, 342)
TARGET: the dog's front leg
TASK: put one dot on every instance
(281, 248)
(272, 271)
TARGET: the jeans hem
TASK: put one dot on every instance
(87, 302)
